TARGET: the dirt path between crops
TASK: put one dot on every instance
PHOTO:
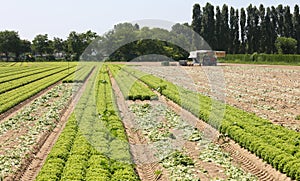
(145, 171)
(33, 168)
(241, 157)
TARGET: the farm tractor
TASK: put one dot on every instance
(203, 58)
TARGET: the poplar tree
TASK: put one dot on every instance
(243, 31)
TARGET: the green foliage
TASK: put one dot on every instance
(19, 89)
(262, 59)
(9, 42)
(88, 146)
(258, 27)
(80, 75)
(130, 86)
(78, 42)
(208, 23)
(75, 167)
(55, 162)
(42, 45)
(197, 18)
(286, 45)
(51, 170)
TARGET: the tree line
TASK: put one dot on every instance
(254, 29)
(42, 48)
(123, 43)
(237, 31)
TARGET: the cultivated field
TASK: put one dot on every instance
(271, 92)
(88, 121)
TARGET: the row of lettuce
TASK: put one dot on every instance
(13, 97)
(20, 83)
(32, 123)
(275, 144)
(14, 74)
(80, 75)
(130, 87)
(93, 144)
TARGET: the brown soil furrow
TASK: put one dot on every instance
(242, 157)
(212, 170)
(146, 171)
(253, 164)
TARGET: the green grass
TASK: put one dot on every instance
(258, 62)
(268, 59)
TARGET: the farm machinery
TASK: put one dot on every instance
(203, 58)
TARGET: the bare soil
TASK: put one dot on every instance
(241, 157)
(12, 139)
(270, 91)
(135, 138)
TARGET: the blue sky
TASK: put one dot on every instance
(58, 17)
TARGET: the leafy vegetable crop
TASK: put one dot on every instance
(276, 145)
(130, 86)
(93, 145)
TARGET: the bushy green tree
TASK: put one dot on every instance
(42, 45)
(286, 45)
(78, 42)
(9, 42)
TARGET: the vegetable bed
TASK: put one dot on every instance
(276, 145)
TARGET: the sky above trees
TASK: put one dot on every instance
(58, 18)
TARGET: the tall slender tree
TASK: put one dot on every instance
(268, 31)
(208, 30)
(243, 31)
(196, 22)
(219, 35)
(280, 21)
(250, 29)
(296, 24)
(236, 33)
(225, 29)
(263, 32)
(274, 23)
(196, 25)
(232, 30)
(288, 22)
(256, 33)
